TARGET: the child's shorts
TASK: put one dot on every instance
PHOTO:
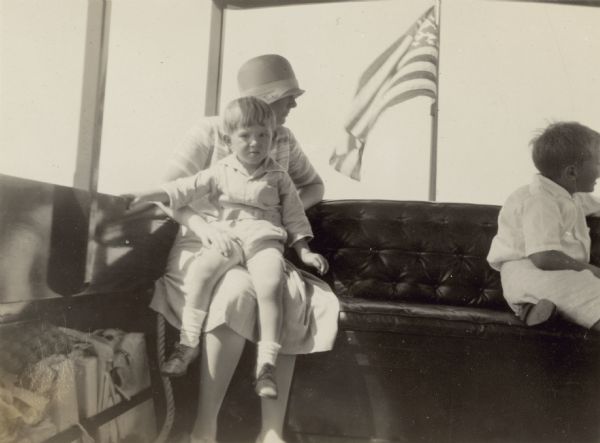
(255, 235)
(576, 294)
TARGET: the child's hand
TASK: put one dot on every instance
(213, 237)
(316, 261)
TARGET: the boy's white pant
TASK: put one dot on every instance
(576, 294)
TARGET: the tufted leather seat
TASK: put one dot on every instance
(420, 267)
(428, 350)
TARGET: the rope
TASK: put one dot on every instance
(169, 401)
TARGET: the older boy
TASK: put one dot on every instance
(542, 248)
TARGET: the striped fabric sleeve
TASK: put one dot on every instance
(293, 217)
(194, 151)
(300, 168)
(185, 190)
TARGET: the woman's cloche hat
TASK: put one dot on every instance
(269, 77)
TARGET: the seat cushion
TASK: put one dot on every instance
(436, 319)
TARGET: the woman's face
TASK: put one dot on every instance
(281, 108)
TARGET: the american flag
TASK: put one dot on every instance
(407, 69)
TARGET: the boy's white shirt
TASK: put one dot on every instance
(266, 194)
(543, 216)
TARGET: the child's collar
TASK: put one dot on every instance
(550, 186)
(269, 165)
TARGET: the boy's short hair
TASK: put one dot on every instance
(247, 111)
(563, 144)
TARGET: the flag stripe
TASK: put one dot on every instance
(425, 68)
(418, 85)
(430, 51)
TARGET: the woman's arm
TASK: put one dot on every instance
(312, 193)
(194, 151)
(308, 182)
(559, 261)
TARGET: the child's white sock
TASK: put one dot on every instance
(267, 353)
(192, 320)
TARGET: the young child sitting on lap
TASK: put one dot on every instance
(256, 202)
(542, 248)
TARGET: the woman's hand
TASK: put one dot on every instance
(315, 260)
(144, 199)
(129, 199)
(135, 202)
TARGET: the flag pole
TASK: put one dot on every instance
(434, 111)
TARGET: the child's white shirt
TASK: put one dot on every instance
(267, 194)
(543, 216)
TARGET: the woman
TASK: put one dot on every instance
(311, 309)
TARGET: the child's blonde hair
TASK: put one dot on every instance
(563, 144)
(247, 111)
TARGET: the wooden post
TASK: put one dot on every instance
(92, 98)
(215, 59)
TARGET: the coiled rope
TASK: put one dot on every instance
(168, 389)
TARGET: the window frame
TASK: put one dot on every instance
(95, 69)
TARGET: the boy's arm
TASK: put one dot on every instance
(559, 261)
(174, 194)
(297, 225)
(589, 203)
(209, 235)
(542, 231)
(183, 191)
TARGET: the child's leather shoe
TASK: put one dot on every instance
(179, 360)
(265, 385)
(538, 313)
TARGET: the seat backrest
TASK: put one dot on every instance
(413, 251)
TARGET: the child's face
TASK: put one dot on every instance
(588, 172)
(251, 144)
